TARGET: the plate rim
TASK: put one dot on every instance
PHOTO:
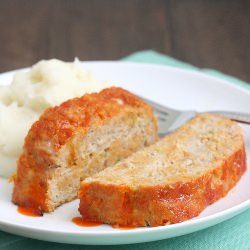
(197, 72)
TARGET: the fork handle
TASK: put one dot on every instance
(236, 116)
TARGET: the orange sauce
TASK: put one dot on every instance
(123, 227)
(29, 211)
(79, 221)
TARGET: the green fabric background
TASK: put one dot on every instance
(229, 235)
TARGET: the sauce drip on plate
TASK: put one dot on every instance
(79, 221)
(29, 211)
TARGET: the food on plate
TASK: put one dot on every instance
(77, 139)
(170, 181)
(50, 82)
(14, 124)
(46, 84)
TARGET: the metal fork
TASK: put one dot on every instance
(170, 119)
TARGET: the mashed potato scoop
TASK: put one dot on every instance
(46, 84)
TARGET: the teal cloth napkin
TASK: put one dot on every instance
(230, 235)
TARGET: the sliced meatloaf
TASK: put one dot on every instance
(77, 139)
(170, 181)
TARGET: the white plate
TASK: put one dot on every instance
(173, 87)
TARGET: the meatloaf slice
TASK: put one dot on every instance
(170, 181)
(77, 139)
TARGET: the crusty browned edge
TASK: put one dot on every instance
(56, 126)
(160, 205)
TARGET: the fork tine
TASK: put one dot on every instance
(165, 116)
(169, 119)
